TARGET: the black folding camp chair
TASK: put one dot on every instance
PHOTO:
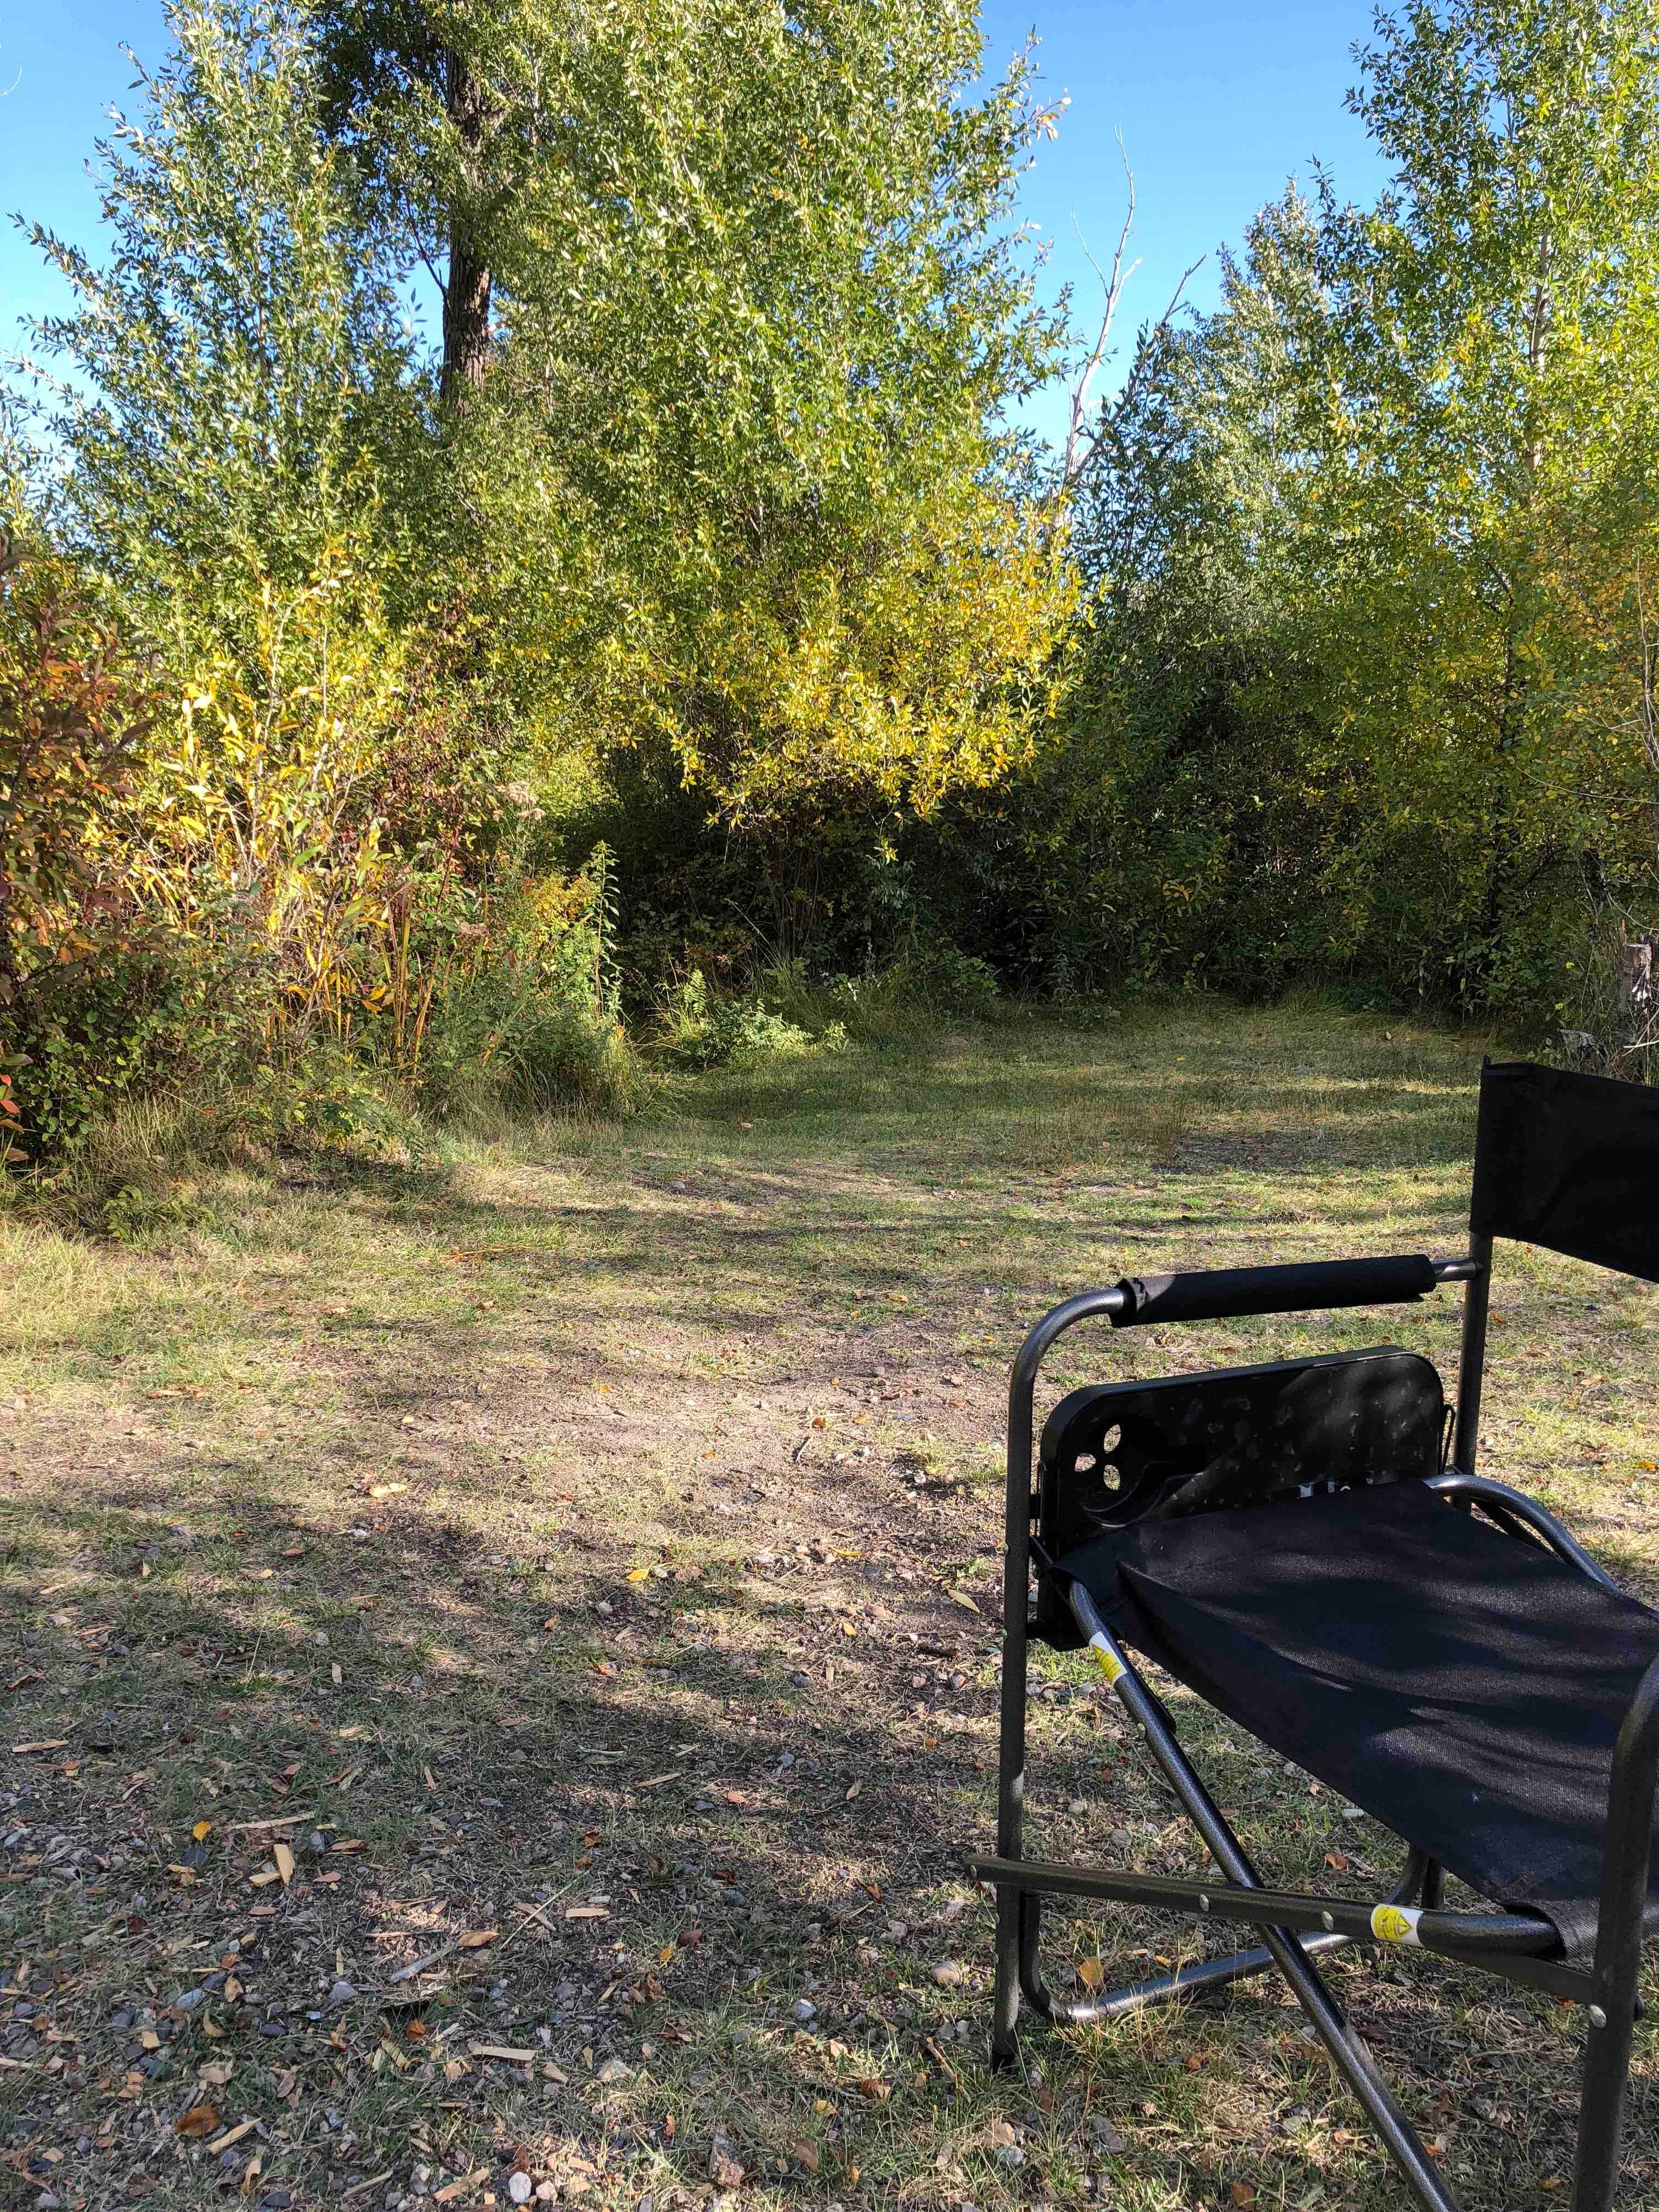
(1289, 1541)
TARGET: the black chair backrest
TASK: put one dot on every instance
(1569, 1162)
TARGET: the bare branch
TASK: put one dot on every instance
(1081, 448)
(1077, 462)
(1112, 287)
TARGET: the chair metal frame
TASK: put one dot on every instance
(1297, 1927)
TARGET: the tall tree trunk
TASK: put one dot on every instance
(466, 295)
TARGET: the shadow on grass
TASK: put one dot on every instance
(721, 1853)
(526, 1449)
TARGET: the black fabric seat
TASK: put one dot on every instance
(1462, 1685)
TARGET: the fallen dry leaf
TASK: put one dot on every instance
(452, 2190)
(199, 2120)
(284, 1859)
(1092, 1973)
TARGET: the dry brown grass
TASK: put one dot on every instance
(608, 1467)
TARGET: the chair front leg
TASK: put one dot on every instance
(1011, 1903)
(1623, 1906)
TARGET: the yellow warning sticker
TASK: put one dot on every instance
(1395, 1923)
(1110, 1665)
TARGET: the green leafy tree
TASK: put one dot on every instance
(237, 387)
(749, 493)
(1498, 390)
(1199, 811)
(1370, 674)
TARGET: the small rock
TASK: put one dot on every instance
(614, 2070)
(1010, 2155)
(519, 2187)
(804, 2009)
(800, 1681)
(341, 1993)
(950, 1973)
(546, 2192)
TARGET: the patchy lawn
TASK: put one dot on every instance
(501, 1656)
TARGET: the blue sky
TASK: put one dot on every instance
(1217, 103)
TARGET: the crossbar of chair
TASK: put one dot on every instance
(1503, 1933)
(1501, 1942)
(1198, 1978)
(1203, 1978)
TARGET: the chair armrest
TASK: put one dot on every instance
(1217, 1293)
(1509, 1507)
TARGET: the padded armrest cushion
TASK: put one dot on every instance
(1215, 1293)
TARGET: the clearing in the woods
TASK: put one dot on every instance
(501, 1653)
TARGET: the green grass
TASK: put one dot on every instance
(589, 1457)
